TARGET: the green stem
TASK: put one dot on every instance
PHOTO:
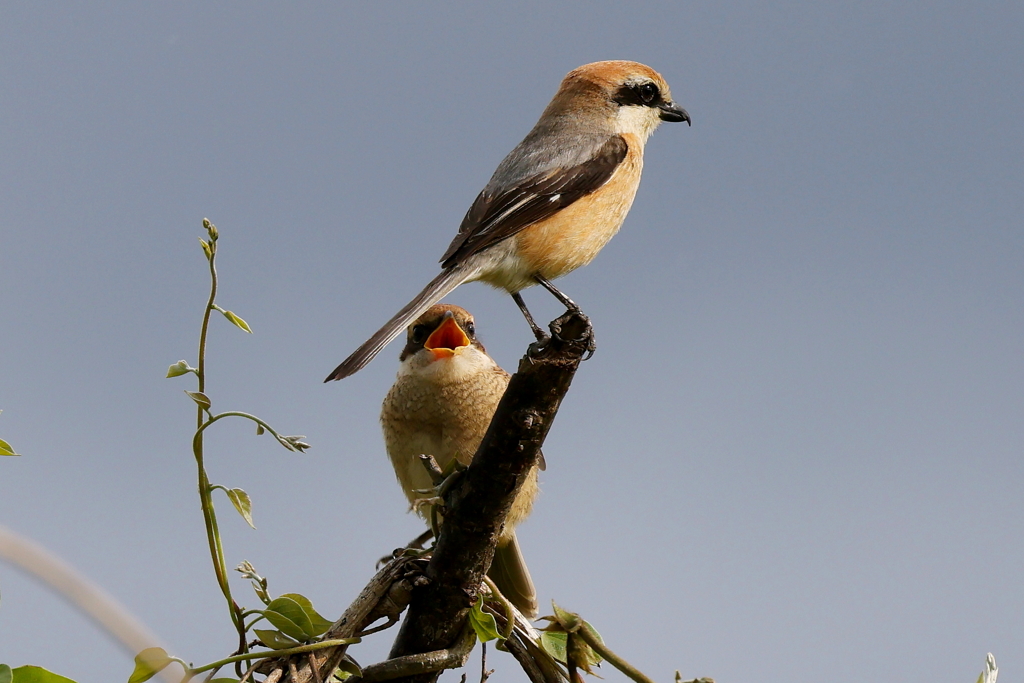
(590, 638)
(201, 370)
(214, 538)
(254, 621)
(205, 490)
(209, 514)
(312, 647)
(235, 413)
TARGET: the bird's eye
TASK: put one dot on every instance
(470, 329)
(419, 334)
(648, 92)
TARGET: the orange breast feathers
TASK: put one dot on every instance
(572, 237)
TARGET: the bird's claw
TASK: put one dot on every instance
(591, 345)
(586, 336)
(420, 503)
(537, 347)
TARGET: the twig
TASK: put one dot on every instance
(484, 673)
(423, 663)
(314, 667)
(87, 596)
(249, 673)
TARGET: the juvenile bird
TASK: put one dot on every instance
(441, 404)
(555, 200)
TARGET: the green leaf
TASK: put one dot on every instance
(236, 321)
(6, 448)
(275, 640)
(200, 398)
(483, 623)
(37, 674)
(6, 675)
(566, 619)
(346, 669)
(240, 499)
(259, 429)
(594, 657)
(554, 642)
(293, 615)
(148, 663)
(318, 625)
(180, 368)
(288, 617)
(206, 248)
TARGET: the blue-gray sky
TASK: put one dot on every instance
(797, 453)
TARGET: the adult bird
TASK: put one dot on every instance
(555, 200)
(441, 404)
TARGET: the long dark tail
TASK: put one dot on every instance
(439, 287)
(510, 575)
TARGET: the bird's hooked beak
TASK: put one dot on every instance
(670, 111)
(447, 338)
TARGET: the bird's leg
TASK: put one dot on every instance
(566, 301)
(542, 337)
(572, 307)
(540, 334)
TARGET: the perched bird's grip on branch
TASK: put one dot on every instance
(480, 501)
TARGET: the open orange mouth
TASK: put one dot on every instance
(448, 337)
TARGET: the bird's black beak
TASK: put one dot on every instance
(670, 111)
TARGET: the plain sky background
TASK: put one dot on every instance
(798, 453)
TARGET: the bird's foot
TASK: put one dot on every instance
(423, 505)
(575, 327)
(432, 504)
(588, 337)
(537, 347)
(571, 328)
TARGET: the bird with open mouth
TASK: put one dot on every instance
(441, 404)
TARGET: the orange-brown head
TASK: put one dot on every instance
(633, 97)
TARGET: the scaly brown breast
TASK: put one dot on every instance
(446, 421)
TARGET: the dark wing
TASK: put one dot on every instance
(497, 216)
